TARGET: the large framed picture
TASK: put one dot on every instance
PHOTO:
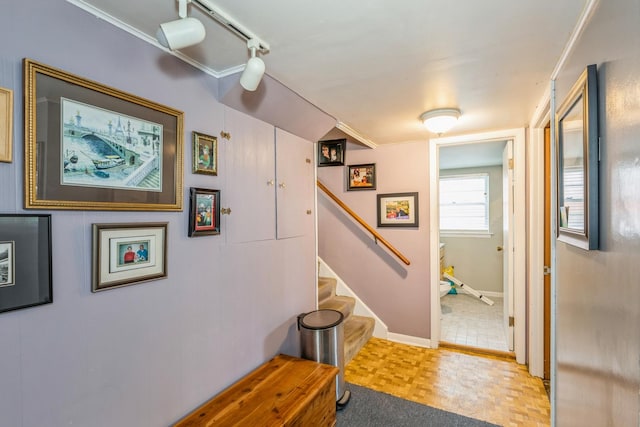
(204, 212)
(6, 124)
(205, 154)
(25, 261)
(126, 254)
(361, 177)
(332, 152)
(577, 174)
(398, 210)
(92, 147)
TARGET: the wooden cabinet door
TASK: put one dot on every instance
(295, 182)
(250, 169)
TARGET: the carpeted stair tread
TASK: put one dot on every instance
(341, 303)
(357, 331)
(326, 288)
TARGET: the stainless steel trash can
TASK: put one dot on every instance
(322, 340)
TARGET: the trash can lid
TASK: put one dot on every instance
(321, 319)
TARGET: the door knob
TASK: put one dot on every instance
(499, 248)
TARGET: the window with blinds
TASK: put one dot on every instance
(573, 186)
(464, 203)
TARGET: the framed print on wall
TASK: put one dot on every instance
(126, 254)
(25, 261)
(398, 210)
(89, 146)
(577, 162)
(205, 154)
(361, 177)
(332, 152)
(6, 124)
(204, 212)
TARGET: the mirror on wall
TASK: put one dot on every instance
(577, 162)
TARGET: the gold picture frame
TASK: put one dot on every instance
(92, 147)
(205, 154)
(6, 124)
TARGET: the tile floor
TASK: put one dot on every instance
(466, 320)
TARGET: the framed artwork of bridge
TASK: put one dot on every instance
(92, 147)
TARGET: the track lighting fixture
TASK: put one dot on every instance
(440, 120)
(254, 70)
(182, 32)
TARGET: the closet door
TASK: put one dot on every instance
(250, 168)
(295, 192)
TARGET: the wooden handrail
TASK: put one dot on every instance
(374, 233)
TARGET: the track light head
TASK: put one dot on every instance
(254, 70)
(182, 32)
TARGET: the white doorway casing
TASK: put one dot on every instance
(519, 228)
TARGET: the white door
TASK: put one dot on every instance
(295, 185)
(508, 234)
(250, 166)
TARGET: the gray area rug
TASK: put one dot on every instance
(369, 408)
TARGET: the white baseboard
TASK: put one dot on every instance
(410, 340)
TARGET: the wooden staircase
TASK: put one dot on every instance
(357, 329)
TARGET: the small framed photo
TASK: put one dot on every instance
(25, 261)
(398, 210)
(204, 212)
(332, 152)
(126, 254)
(6, 124)
(361, 177)
(205, 154)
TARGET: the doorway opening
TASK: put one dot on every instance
(474, 189)
(502, 281)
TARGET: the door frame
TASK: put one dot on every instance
(520, 242)
(535, 178)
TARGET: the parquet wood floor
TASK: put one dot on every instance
(489, 388)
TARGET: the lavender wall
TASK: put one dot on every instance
(143, 355)
(397, 293)
(598, 292)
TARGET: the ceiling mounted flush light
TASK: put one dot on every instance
(182, 32)
(254, 70)
(440, 120)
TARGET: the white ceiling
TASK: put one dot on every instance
(377, 65)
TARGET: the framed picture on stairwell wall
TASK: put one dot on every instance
(92, 147)
(332, 152)
(398, 210)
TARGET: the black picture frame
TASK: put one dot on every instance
(398, 210)
(112, 245)
(25, 261)
(332, 152)
(89, 146)
(204, 212)
(361, 177)
(577, 163)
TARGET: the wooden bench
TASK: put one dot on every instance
(285, 391)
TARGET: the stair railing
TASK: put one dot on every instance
(376, 236)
